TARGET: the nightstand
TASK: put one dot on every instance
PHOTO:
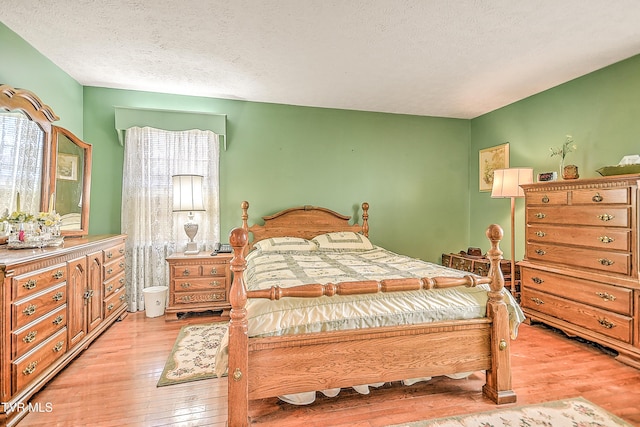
(199, 283)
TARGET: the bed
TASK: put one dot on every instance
(290, 360)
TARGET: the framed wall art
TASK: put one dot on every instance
(67, 167)
(491, 159)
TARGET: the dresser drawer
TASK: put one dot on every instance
(198, 297)
(28, 284)
(27, 310)
(110, 254)
(31, 365)
(114, 301)
(113, 268)
(200, 284)
(462, 264)
(601, 238)
(607, 297)
(547, 198)
(611, 262)
(580, 215)
(605, 196)
(601, 321)
(33, 334)
(113, 284)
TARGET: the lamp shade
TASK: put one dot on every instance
(187, 193)
(507, 182)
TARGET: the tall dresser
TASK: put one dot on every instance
(55, 302)
(580, 270)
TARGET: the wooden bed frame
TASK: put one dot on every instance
(273, 366)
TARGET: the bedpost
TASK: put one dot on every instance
(365, 219)
(498, 385)
(238, 399)
(245, 215)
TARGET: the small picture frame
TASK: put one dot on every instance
(491, 159)
(67, 167)
(547, 176)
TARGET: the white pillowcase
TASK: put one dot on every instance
(275, 244)
(343, 241)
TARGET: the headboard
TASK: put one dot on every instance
(303, 221)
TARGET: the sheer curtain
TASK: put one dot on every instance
(151, 158)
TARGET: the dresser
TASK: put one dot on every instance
(580, 271)
(199, 283)
(55, 302)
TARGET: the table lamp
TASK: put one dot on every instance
(187, 197)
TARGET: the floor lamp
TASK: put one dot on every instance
(506, 183)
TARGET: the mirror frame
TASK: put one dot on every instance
(86, 177)
(25, 101)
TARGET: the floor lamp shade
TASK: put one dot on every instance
(506, 183)
(188, 197)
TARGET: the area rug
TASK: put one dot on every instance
(576, 412)
(193, 354)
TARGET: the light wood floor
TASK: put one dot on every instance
(113, 383)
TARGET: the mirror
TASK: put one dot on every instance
(71, 168)
(42, 165)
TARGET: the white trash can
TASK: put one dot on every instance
(155, 299)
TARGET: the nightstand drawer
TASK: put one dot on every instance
(200, 284)
(601, 321)
(198, 297)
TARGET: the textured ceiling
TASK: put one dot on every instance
(447, 58)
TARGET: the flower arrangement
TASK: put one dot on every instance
(16, 217)
(48, 219)
(27, 230)
(565, 148)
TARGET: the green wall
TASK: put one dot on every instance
(406, 167)
(600, 110)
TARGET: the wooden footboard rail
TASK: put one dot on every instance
(498, 381)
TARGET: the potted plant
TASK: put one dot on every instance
(566, 171)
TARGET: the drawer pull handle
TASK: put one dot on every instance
(58, 320)
(605, 296)
(540, 252)
(122, 297)
(109, 270)
(185, 298)
(30, 337)
(214, 271)
(58, 296)
(215, 284)
(606, 323)
(121, 280)
(109, 288)
(186, 272)
(537, 301)
(30, 310)
(121, 251)
(597, 198)
(121, 264)
(110, 307)
(58, 346)
(540, 233)
(109, 254)
(545, 199)
(537, 280)
(605, 217)
(605, 261)
(58, 274)
(31, 368)
(185, 285)
(540, 215)
(29, 284)
(606, 239)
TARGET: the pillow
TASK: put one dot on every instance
(343, 241)
(285, 244)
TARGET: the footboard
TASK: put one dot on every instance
(267, 367)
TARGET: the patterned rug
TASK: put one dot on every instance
(576, 412)
(193, 354)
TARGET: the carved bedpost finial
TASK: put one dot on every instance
(245, 215)
(365, 219)
(495, 234)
